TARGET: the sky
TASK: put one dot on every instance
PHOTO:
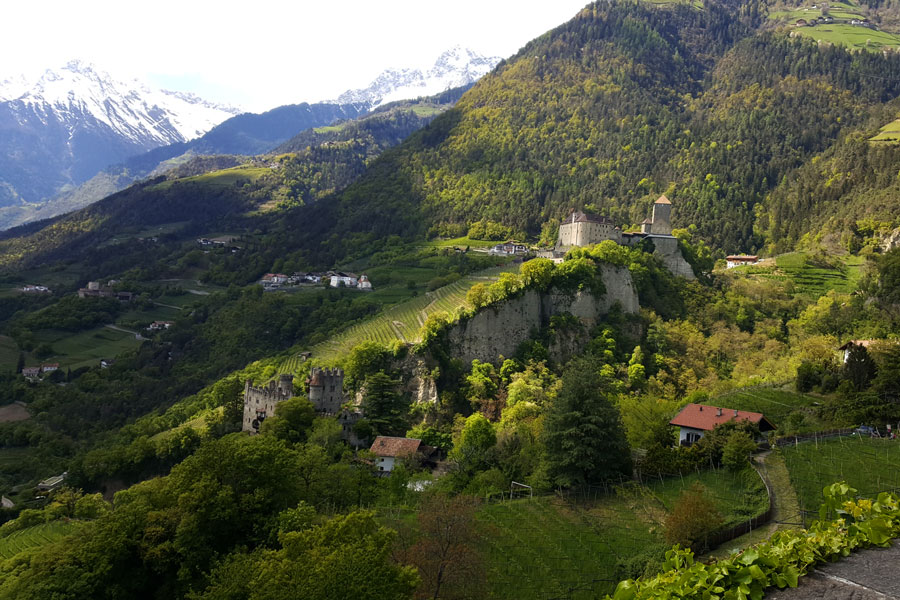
(261, 54)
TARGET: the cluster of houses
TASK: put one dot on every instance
(95, 289)
(36, 289)
(160, 325)
(824, 20)
(276, 281)
(37, 372)
(827, 20)
(219, 242)
(509, 249)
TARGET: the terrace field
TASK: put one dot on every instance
(37, 535)
(776, 404)
(399, 322)
(809, 274)
(870, 465)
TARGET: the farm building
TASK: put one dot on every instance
(695, 420)
(737, 260)
(388, 450)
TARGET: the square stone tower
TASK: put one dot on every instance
(662, 214)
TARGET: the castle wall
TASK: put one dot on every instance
(260, 402)
(517, 318)
(584, 233)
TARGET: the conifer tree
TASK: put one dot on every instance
(585, 438)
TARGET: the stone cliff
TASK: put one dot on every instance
(498, 330)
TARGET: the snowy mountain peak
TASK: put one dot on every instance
(455, 67)
(80, 94)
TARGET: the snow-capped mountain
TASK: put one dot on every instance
(454, 68)
(63, 126)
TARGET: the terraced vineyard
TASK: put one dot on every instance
(400, 322)
(38, 535)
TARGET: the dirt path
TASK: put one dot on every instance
(136, 335)
(786, 509)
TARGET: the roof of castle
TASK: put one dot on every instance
(646, 222)
(577, 216)
(662, 200)
(315, 380)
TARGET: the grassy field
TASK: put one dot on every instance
(222, 178)
(851, 36)
(146, 232)
(888, 133)
(85, 348)
(869, 465)
(37, 535)
(552, 548)
(815, 279)
(9, 353)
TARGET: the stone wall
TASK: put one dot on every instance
(667, 250)
(499, 330)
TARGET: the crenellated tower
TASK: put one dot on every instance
(326, 389)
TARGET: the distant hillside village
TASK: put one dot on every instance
(336, 279)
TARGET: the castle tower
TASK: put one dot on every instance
(326, 389)
(662, 213)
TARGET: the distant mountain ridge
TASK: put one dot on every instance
(60, 128)
(454, 68)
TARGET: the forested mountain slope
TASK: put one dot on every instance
(617, 106)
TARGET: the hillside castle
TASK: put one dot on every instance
(585, 229)
(326, 392)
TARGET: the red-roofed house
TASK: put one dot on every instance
(388, 449)
(862, 343)
(696, 419)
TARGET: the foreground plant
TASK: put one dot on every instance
(781, 560)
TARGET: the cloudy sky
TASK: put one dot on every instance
(260, 54)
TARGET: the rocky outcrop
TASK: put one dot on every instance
(891, 241)
(498, 330)
(668, 251)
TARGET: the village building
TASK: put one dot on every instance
(340, 279)
(49, 367)
(36, 289)
(160, 325)
(694, 420)
(106, 363)
(738, 260)
(364, 284)
(52, 483)
(389, 450)
(509, 249)
(31, 372)
(867, 344)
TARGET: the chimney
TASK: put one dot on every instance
(735, 412)
(701, 408)
(718, 412)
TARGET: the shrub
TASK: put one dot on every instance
(693, 518)
(737, 450)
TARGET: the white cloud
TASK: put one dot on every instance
(264, 53)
